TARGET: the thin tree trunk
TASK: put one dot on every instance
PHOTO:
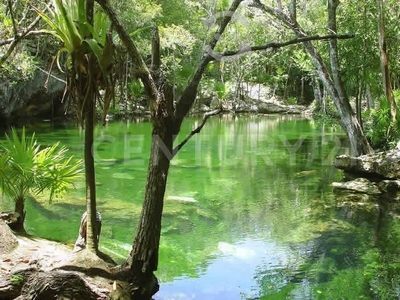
(359, 101)
(89, 102)
(91, 239)
(317, 94)
(324, 96)
(333, 51)
(370, 99)
(358, 143)
(385, 63)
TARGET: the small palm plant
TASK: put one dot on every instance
(26, 168)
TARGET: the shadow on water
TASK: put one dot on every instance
(356, 257)
(256, 216)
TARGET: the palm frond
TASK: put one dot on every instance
(25, 168)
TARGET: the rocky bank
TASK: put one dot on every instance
(377, 174)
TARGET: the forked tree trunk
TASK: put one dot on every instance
(358, 142)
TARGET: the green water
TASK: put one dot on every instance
(259, 219)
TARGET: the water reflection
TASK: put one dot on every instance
(231, 274)
(249, 211)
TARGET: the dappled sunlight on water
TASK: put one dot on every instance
(249, 211)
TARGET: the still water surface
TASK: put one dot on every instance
(249, 210)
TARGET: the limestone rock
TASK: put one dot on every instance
(269, 108)
(360, 185)
(7, 238)
(382, 164)
(31, 97)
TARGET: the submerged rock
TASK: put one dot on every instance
(360, 185)
(382, 170)
(181, 199)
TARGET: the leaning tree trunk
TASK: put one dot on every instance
(332, 83)
(143, 259)
(358, 142)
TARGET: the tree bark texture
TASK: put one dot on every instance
(91, 240)
(143, 259)
(80, 242)
(20, 210)
(385, 62)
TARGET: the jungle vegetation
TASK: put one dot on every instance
(117, 55)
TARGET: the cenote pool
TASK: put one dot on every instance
(249, 211)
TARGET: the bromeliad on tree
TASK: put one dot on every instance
(87, 42)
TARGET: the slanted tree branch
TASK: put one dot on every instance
(17, 39)
(10, 40)
(52, 76)
(140, 68)
(358, 143)
(12, 18)
(276, 45)
(24, 14)
(186, 100)
(197, 129)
